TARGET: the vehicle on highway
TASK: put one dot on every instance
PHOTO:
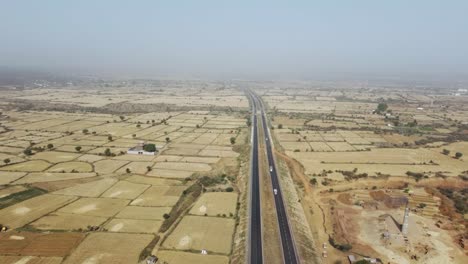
(275, 191)
(271, 168)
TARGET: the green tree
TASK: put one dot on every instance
(445, 151)
(107, 152)
(458, 155)
(233, 140)
(149, 147)
(313, 181)
(122, 118)
(27, 152)
(78, 148)
(382, 107)
(148, 168)
(50, 146)
(7, 160)
(85, 131)
(280, 126)
(109, 138)
(128, 170)
(168, 140)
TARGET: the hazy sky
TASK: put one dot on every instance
(236, 37)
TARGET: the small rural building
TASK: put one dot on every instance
(143, 149)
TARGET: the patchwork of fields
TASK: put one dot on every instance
(68, 175)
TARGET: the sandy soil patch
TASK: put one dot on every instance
(108, 166)
(55, 156)
(152, 180)
(89, 189)
(218, 153)
(165, 158)
(176, 174)
(27, 166)
(12, 158)
(10, 176)
(105, 207)
(133, 226)
(64, 221)
(136, 167)
(125, 190)
(198, 232)
(76, 166)
(178, 257)
(215, 203)
(24, 212)
(90, 158)
(143, 213)
(320, 146)
(200, 159)
(181, 151)
(184, 166)
(71, 148)
(301, 146)
(53, 176)
(132, 157)
(159, 196)
(340, 146)
(109, 248)
(393, 161)
(38, 244)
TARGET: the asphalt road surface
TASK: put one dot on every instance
(255, 230)
(287, 242)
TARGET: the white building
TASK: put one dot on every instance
(139, 150)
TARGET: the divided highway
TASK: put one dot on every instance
(255, 232)
(255, 250)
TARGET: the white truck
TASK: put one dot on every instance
(275, 191)
(271, 168)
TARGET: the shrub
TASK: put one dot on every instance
(445, 151)
(78, 148)
(27, 152)
(50, 146)
(229, 189)
(458, 155)
(149, 147)
(7, 160)
(108, 152)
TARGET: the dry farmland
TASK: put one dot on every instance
(359, 156)
(65, 173)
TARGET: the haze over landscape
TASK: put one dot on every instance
(234, 132)
(236, 38)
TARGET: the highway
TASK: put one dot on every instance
(287, 241)
(255, 248)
